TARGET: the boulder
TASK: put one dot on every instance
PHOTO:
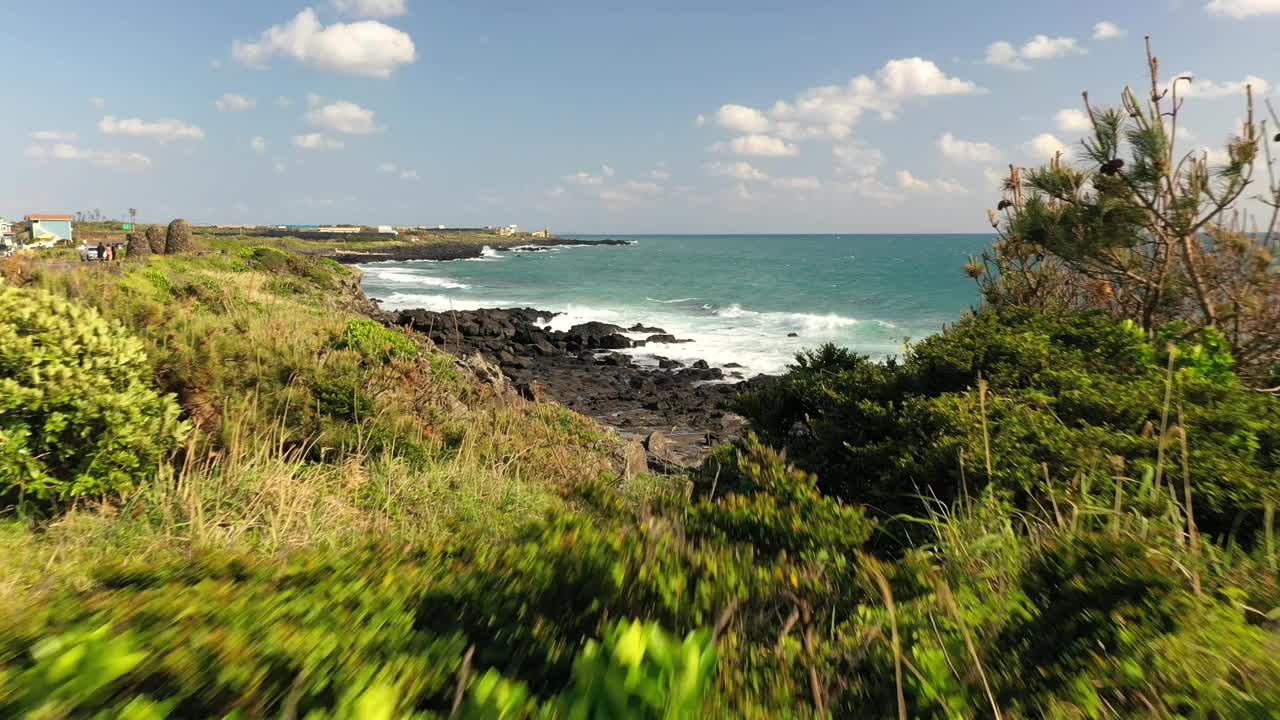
(669, 364)
(137, 247)
(614, 342)
(661, 453)
(634, 460)
(793, 334)
(638, 328)
(155, 239)
(700, 365)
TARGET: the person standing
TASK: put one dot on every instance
(102, 250)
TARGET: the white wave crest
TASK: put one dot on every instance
(672, 302)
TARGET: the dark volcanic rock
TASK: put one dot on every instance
(793, 334)
(690, 405)
(638, 328)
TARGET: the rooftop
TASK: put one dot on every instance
(49, 216)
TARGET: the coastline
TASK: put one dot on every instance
(452, 250)
(679, 411)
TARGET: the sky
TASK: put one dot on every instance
(588, 116)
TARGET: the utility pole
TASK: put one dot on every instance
(133, 217)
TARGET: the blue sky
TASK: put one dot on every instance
(585, 116)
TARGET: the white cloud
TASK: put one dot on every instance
(109, 159)
(832, 111)
(1043, 47)
(1004, 54)
(660, 174)
(368, 47)
(758, 145)
(1072, 120)
(857, 159)
(583, 177)
(410, 175)
(283, 102)
(259, 144)
(316, 141)
(389, 168)
(231, 102)
(164, 131)
(1210, 89)
(995, 178)
(608, 171)
(1243, 8)
(98, 102)
(872, 189)
(372, 8)
(1107, 30)
(797, 183)
(279, 167)
(55, 136)
(967, 151)
(1039, 47)
(738, 170)
(743, 119)
(643, 187)
(911, 183)
(344, 117)
(1044, 146)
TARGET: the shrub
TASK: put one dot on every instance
(376, 342)
(179, 239)
(78, 414)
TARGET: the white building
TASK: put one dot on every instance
(386, 230)
(7, 232)
(509, 230)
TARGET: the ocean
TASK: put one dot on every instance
(739, 297)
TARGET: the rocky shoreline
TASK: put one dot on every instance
(680, 412)
(444, 251)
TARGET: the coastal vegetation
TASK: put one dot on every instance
(236, 489)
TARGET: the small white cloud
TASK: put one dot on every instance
(1106, 30)
(743, 119)
(98, 102)
(109, 159)
(367, 47)
(410, 175)
(344, 117)
(164, 131)
(1214, 156)
(967, 151)
(797, 183)
(660, 174)
(583, 178)
(1045, 146)
(557, 191)
(857, 159)
(1243, 8)
(994, 178)
(1004, 54)
(700, 120)
(283, 102)
(738, 170)
(389, 168)
(1072, 120)
(231, 102)
(1039, 47)
(317, 141)
(259, 144)
(911, 183)
(279, 167)
(1043, 47)
(1210, 89)
(608, 171)
(55, 136)
(642, 187)
(758, 145)
(372, 8)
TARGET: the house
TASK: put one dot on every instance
(8, 233)
(509, 230)
(543, 233)
(386, 230)
(50, 228)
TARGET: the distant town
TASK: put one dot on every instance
(48, 230)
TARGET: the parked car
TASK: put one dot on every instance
(89, 252)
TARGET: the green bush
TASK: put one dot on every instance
(1069, 394)
(78, 414)
(374, 341)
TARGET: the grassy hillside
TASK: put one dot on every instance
(357, 525)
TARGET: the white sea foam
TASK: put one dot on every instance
(411, 278)
(672, 302)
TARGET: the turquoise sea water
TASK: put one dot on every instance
(737, 296)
